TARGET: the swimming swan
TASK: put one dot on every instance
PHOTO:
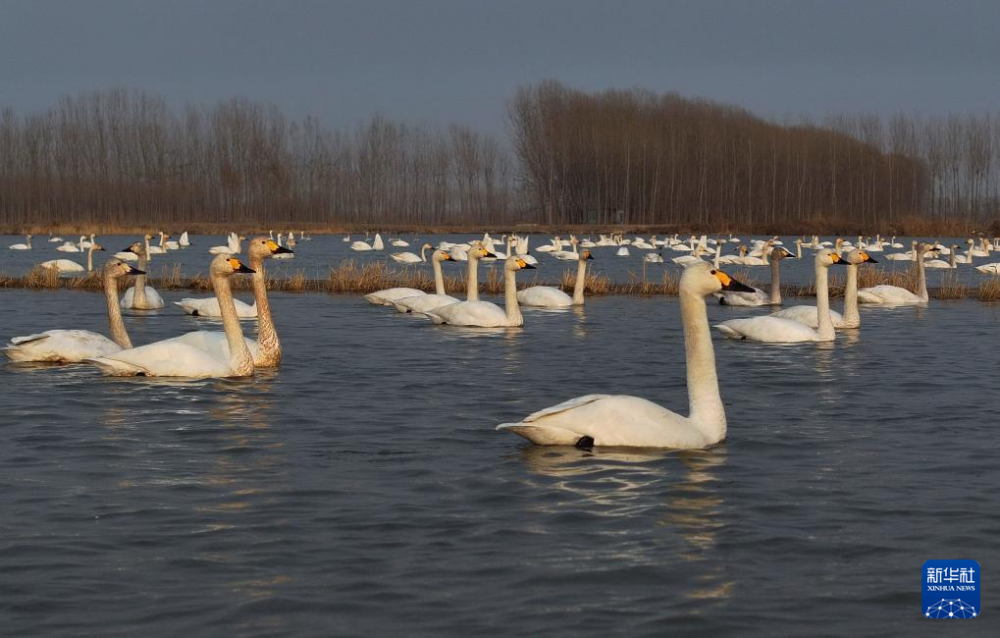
(549, 297)
(266, 349)
(809, 316)
(483, 314)
(389, 296)
(419, 304)
(411, 258)
(627, 421)
(886, 295)
(141, 296)
(769, 329)
(172, 358)
(73, 346)
(758, 297)
(26, 246)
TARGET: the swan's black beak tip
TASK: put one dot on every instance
(872, 261)
(243, 268)
(735, 286)
(282, 249)
(135, 271)
(529, 266)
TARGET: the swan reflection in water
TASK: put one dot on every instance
(626, 482)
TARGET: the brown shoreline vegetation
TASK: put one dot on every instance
(351, 278)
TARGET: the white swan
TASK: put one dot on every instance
(68, 266)
(989, 269)
(232, 246)
(411, 258)
(483, 314)
(887, 295)
(360, 246)
(25, 246)
(627, 421)
(73, 346)
(172, 358)
(184, 241)
(809, 315)
(419, 304)
(389, 296)
(377, 244)
(70, 247)
(266, 349)
(141, 296)
(758, 297)
(549, 297)
(769, 329)
(399, 243)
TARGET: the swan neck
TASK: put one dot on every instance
(115, 323)
(921, 279)
(139, 292)
(240, 360)
(775, 283)
(581, 283)
(852, 318)
(826, 332)
(707, 412)
(267, 336)
(90, 258)
(514, 317)
(438, 277)
(472, 279)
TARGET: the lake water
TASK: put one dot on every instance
(316, 257)
(362, 490)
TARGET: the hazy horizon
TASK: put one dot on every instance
(440, 62)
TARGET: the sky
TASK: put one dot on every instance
(437, 62)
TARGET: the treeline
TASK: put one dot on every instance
(633, 157)
(124, 157)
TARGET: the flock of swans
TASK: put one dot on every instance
(591, 420)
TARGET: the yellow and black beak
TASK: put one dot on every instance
(447, 257)
(525, 265)
(868, 258)
(837, 259)
(730, 284)
(239, 266)
(132, 270)
(276, 249)
(490, 254)
(101, 248)
(589, 255)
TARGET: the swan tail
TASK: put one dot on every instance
(17, 341)
(727, 331)
(543, 434)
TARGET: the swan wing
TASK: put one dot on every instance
(168, 358)
(887, 295)
(209, 307)
(423, 303)
(610, 420)
(66, 346)
(756, 298)
(808, 316)
(478, 314)
(389, 295)
(213, 343)
(767, 330)
(545, 296)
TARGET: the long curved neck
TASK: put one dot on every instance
(267, 336)
(718, 254)
(707, 411)
(240, 359)
(826, 331)
(423, 253)
(438, 277)
(472, 279)
(514, 317)
(90, 258)
(852, 318)
(775, 282)
(139, 293)
(581, 282)
(921, 278)
(952, 263)
(118, 333)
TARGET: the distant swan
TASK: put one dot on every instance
(389, 296)
(73, 346)
(809, 315)
(887, 295)
(549, 297)
(172, 358)
(26, 246)
(758, 297)
(483, 314)
(411, 258)
(770, 329)
(627, 421)
(142, 296)
(419, 304)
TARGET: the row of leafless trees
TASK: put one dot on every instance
(123, 157)
(633, 157)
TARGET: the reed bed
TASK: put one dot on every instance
(349, 277)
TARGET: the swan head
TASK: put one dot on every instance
(133, 248)
(922, 248)
(442, 255)
(478, 251)
(515, 263)
(116, 268)
(264, 247)
(95, 246)
(780, 252)
(426, 247)
(702, 279)
(225, 265)
(585, 255)
(827, 258)
(858, 256)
